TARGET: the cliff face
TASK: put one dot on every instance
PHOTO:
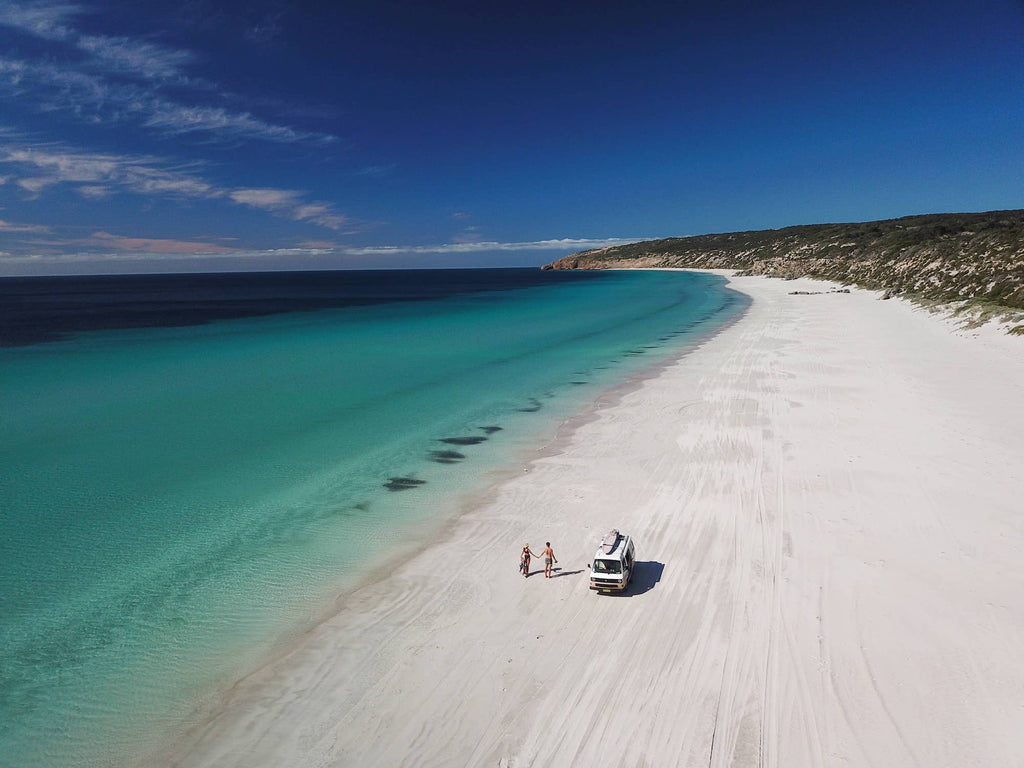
(946, 257)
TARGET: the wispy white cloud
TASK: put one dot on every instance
(376, 171)
(120, 79)
(177, 119)
(267, 199)
(54, 22)
(6, 226)
(94, 191)
(52, 87)
(50, 165)
(96, 99)
(99, 174)
(290, 203)
(34, 184)
(266, 29)
(156, 246)
(470, 234)
(143, 59)
(322, 215)
(45, 20)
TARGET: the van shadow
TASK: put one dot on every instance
(646, 573)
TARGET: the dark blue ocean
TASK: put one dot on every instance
(193, 467)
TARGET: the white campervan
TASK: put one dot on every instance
(613, 563)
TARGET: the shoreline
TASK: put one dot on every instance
(425, 534)
(439, 660)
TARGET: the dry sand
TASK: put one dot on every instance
(826, 501)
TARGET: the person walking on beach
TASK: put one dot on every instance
(524, 560)
(549, 558)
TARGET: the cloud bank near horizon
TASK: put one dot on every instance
(106, 248)
(485, 246)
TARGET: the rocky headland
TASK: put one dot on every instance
(971, 261)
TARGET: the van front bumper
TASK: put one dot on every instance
(607, 586)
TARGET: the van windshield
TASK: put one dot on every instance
(607, 566)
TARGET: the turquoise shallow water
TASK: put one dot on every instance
(176, 502)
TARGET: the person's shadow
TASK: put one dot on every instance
(557, 572)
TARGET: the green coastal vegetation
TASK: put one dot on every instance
(970, 263)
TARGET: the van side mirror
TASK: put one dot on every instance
(588, 566)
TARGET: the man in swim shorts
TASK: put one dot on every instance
(549, 558)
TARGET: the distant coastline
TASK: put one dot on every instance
(972, 262)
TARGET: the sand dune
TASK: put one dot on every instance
(825, 499)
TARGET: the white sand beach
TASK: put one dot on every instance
(826, 503)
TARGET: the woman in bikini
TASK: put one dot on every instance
(549, 557)
(524, 560)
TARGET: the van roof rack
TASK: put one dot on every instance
(610, 541)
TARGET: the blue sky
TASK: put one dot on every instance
(145, 135)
